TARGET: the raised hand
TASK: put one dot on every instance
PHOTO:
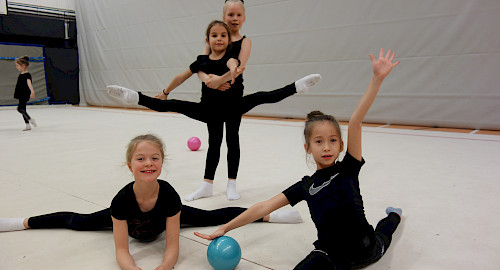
(383, 66)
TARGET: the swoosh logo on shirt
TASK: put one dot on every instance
(313, 190)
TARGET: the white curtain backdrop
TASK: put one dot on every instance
(449, 49)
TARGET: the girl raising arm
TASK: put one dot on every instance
(345, 238)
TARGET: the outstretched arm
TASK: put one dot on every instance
(381, 68)
(176, 81)
(234, 69)
(256, 211)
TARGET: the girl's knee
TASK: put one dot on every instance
(25, 223)
(214, 144)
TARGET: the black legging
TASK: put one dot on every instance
(21, 108)
(319, 259)
(215, 117)
(215, 130)
(190, 217)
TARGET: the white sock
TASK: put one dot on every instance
(125, 94)
(11, 224)
(302, 85)
(32, 121)
(231, 192)
(285, 216)
(391, 209)
(205, 190)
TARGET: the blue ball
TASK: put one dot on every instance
(224, 253)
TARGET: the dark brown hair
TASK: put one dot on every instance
(315, 117)
(217, 22)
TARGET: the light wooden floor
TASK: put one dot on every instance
(445, 181)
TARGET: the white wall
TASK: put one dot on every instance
(3, 6)
(63, 4)
(449, 49)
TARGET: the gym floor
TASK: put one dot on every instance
(446, 182)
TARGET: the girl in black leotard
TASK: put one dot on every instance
(24, 90)
(345, 238)
(142, 209)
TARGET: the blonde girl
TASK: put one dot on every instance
(142, 209)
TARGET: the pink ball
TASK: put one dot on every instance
(194, 143)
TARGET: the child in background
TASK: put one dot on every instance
(143, 209)
(24, 90)
(345, 238)
(217, 108)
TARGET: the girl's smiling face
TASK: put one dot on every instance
(325, 144)
(218, 38)
(146, 162)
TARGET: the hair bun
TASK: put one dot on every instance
(314, 114)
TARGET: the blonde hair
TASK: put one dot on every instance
(315, 117)
(23, 60)
(228, 2)
(132, 145)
